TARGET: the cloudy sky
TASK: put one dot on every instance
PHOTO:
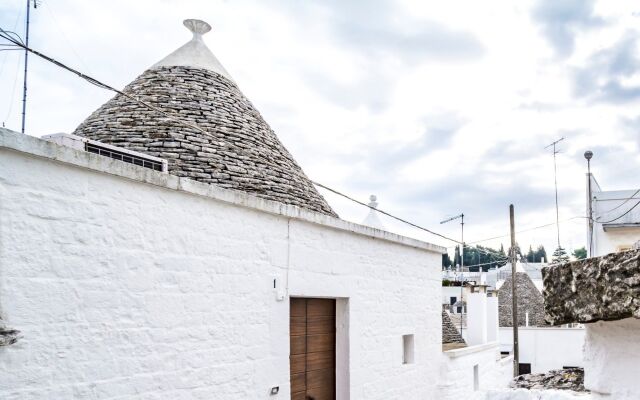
(436, 107)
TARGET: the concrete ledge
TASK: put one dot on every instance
(36, 147)
(471, 349)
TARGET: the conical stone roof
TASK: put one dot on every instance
(450, 333)
(237, 150)
(529, 299)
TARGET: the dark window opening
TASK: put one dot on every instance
(524, 369)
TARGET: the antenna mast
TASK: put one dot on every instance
(555, 179)
(26, 59)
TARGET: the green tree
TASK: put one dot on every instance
(446, 261)
(540, 255)
(559, 256)
(580, 253)
(531, 255)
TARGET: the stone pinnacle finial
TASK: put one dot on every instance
(373, 202)
(197, 26)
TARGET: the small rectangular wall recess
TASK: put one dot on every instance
(476, 377)
(407, 349)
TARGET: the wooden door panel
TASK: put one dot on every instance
(298, 363)
(297, 307)
(321, 308)
(298, 383)
(298, 326)
(298, 345)
(299, 395)
(321, 393)
(317, 325)
(312, 348)
(324, 342)
(321, 378)
(320, 360)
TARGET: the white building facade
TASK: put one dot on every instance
(131, 283)
(616, 219)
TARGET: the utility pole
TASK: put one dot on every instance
(461, 216)
(514, 300)
(555, 179)
(26, 59)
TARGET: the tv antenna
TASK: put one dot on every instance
(555, 180)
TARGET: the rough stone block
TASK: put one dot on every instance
(602, 288)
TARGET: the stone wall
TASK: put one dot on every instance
(131, 284)
(238, 151)
(601, 288)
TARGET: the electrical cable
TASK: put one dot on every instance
(617, 218)
(13, 92)
(6, 35)
(17, 41)
(55, 21)
(623, 203)
(488, 263)
(386, 213)
(525, 230)
(15, 24)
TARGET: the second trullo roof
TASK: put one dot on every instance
(237, 150)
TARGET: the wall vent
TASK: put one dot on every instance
(107, 150)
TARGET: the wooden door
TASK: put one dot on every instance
(312, 332)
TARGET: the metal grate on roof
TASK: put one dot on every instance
(107, 150)
(126, 157)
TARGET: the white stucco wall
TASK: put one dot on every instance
(612, 358)
(609, 206)
(127, 283)
(457, 371)
(546, 348)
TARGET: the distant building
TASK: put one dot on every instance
(616, 219)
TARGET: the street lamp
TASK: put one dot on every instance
(588, 155)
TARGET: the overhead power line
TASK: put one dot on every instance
(617, 218)
(488, 263)
(17, 42)
(525, 230)
(386, 213)
(626, 200)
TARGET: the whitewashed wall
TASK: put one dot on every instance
(608, 206)
(612, 358)
(546, 348)
(131, 284)
(457, 371)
